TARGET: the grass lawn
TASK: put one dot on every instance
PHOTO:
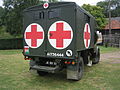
(108, 49)
(15, 75)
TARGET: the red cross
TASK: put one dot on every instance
(60, 35)
(34, 35)
(87, 36)
(45, 5)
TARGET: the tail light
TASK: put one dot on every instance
(27, 58)
(70, 62)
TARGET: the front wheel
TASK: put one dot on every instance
(96, 59)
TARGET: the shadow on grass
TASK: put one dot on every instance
(60, 76)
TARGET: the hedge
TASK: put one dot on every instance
(15, 43)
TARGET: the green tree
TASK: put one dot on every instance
(97, 12)
(115, 7)
(13, 14)
(1, 16)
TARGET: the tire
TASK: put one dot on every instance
(97, 57)
(41, 73)
(75, 72)
(32, 63)
(80, 68)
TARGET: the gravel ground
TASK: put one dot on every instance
(113, 57)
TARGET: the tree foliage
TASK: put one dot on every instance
(13, 14)
(1, 15)
(114, 5)
(97, 12)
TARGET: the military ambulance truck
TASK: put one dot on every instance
(59, 36)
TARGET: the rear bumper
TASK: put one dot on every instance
(52, 57)
(46, 68)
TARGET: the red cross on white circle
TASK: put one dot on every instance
(87, 35)
(34, 35)
(45, 5)
(60, 34)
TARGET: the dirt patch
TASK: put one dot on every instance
(113, 57)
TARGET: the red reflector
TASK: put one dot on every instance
(28, 58)
(65, 62)
(68, 62)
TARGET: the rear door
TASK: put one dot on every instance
(61, 30)
(34, 34)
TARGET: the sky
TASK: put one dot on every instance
(79, 2)
(1, 2)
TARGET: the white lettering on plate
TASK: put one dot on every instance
(55, 54)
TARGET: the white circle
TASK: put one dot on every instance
(69, 53)
(29, 41)
(66, 41)
(45, 5)
(87, 42)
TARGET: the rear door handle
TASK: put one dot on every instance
(42, 15)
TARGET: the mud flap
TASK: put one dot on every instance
(75, 72)
(72, 72)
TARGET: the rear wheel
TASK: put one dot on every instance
(75, 72)
(41, 73)
(80, 68)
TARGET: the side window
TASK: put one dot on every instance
(53, 13)
(86, 18)
(38, 15)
